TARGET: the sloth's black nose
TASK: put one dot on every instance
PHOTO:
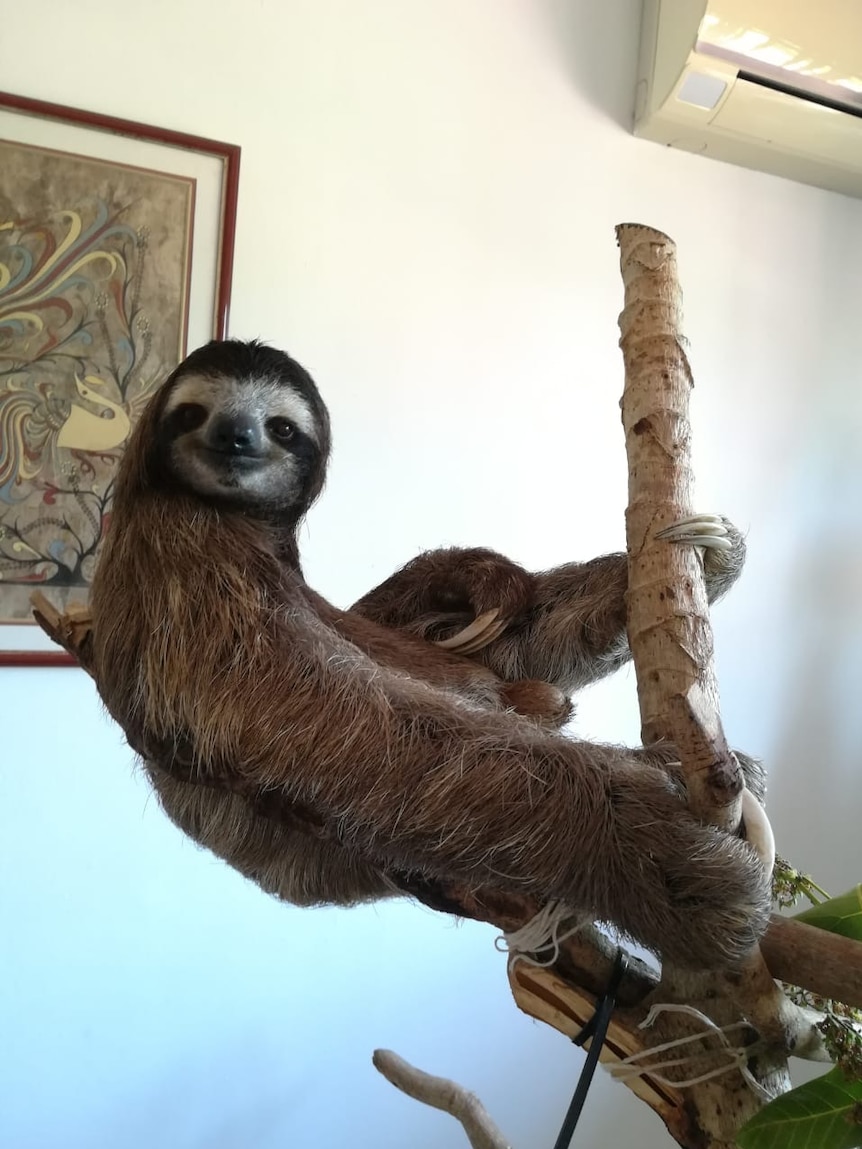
(235, 435)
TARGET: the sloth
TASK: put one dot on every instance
(340, 756)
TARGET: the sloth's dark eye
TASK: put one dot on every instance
(280, 429)
(187, 417)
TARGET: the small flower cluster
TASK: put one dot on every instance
(842, 1036)
(841, 1027)
(789, 885)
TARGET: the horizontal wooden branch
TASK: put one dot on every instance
(825, 963)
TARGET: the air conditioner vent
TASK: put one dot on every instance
(774, 85)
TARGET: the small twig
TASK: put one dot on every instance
(441, 1093)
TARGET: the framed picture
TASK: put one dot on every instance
(116, 254)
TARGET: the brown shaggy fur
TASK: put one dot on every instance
(332, 759)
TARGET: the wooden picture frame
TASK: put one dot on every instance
(116, 257)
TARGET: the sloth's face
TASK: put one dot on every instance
(251, 443)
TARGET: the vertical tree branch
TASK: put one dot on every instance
(668, 614)
(669, 630)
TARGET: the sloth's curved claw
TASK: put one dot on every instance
(477, 635)
(758, 831)
(484, 639)
(700, 531)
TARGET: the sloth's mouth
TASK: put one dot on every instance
(228, 471)
(232, 461)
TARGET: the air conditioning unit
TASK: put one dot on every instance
(774, 85)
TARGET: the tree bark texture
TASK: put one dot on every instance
(668, 615)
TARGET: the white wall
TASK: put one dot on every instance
(429, 191)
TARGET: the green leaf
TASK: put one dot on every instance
(841, 915)
(813, 1116)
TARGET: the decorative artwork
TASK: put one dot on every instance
(115, 258)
